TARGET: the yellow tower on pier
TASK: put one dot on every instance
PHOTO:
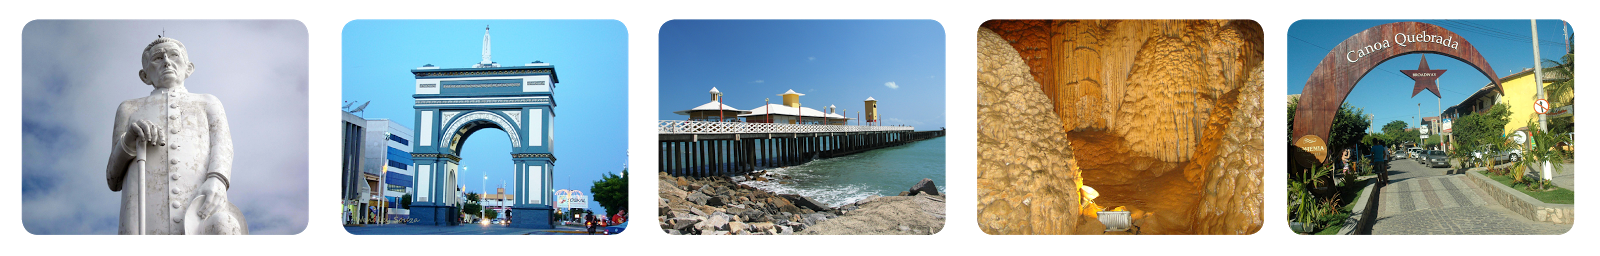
(791, 98)
(872, 110)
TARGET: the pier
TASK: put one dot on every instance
(700, 148)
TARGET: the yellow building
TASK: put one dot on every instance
(872, 110)
(1519, 93)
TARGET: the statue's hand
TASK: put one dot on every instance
(216, 197)
(144, 131)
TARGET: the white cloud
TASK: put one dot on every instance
(758, 81)
(811, 58)
(891, 85)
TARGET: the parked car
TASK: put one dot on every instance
(614, 229)
(1510, 155)
(1399, 155)
(1435, 158)
(1413, 152)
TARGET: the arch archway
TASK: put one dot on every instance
(453, 104)
(1352, 59)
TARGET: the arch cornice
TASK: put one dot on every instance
(455, 135)
(1352, 59)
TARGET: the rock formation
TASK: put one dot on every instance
(1163, 117)
(721, 206)
(1028, 179)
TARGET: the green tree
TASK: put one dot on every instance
(611, 191)
(1349, 127)
(1479, 131)
(1559, 92)
(491, 214)
(1541, 148)
(1395, 127)
(472, 206)
(405, 201)
(1293, 105)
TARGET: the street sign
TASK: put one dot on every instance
(1541, 106)
(1315, 150)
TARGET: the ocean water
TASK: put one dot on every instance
(847, 179)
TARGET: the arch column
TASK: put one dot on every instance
(435, 202)
(535, 191)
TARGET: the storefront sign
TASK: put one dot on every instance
(1315, 150)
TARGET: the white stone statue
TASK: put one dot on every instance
(188, 154)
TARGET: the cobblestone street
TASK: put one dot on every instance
(1420, 200)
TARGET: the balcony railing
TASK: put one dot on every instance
(701, 127)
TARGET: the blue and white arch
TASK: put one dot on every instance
(452, 104)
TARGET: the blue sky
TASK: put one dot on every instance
(76, 72)
(1386, 93)
(591, 57)
(900, 63)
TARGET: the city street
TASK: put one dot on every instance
(1421, 200)
(465, 229)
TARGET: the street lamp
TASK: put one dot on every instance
(461, 200)
(483, 185)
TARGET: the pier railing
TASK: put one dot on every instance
(702, 127)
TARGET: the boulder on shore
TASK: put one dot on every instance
(805, 202)
(925, 186)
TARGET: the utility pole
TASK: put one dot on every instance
(1538, 72)
(1538, 82)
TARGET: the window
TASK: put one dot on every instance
(402, 141)
(395, 164)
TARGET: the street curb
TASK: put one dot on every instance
(1366, 209)
(1522, 204)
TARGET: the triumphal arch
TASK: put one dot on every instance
(453, 103)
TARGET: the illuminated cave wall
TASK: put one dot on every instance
(1163, 116)
(1027, 179)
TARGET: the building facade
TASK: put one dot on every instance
(1519, 93)
(387, 153)
(351, 182)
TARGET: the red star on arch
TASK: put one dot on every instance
(1425, 78)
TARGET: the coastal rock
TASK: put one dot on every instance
(698, 198)
(734, 226)
(718, 221)
(681, 223)
(761, 226)
(925, 186)
(661, 207)
(894, 215)
(805, 202)
(716, 201)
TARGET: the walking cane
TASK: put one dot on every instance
(139, 159)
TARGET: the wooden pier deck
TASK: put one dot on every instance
(697, 148)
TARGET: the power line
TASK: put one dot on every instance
(1492, 32)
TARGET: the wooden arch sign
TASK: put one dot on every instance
(1352, 59)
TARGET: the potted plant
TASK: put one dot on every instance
(1306, 211)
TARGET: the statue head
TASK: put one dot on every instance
(165, 63)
